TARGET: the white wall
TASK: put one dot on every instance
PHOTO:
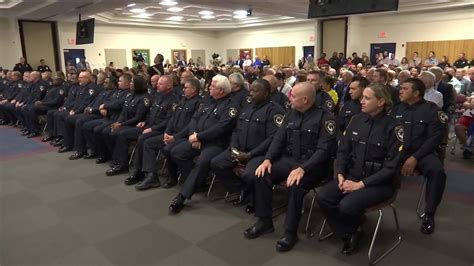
(434, 26)
(120, 37)
(10, 45)
(296, 34)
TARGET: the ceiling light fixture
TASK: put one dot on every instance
(137, 10)
(142, 15)
(175, 9)
(175, 18)
(224, 19)
(205, 12)
(193, 19)
(168, 3)
(240, 12)
(132, 4)
(208, 17)
(240, 16)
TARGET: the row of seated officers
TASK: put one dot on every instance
(370, 142)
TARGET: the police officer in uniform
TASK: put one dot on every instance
(22, 66)
(37, 91)
(209, 133)
(176, 132)
(352, 107)
(423, 126)
(154, 125)
(300, 149)
(256, 125)
(110, 111)
(53, 99)
(323, 99)
(364, 178)
(239, 93)
(43, 67)
(15, 92)
(91, 112)
(277, 97)
(84, 96)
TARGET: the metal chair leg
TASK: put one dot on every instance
(211, 185)
(308, 221)
(321, 231)
(372, 260)
(419, 208)
(130, 162)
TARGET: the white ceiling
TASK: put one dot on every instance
(264, 12)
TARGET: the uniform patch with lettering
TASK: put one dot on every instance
(329, 105)
(232, 112)
(278, 119)
(399, 133)
(61, 92)
(91, 91)
(41, 88)
(146, 101)
(249, 99)
(443, 118)
(330, 127)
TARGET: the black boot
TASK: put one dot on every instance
(262, 226)
(428, 224)
(287, 242)
(136, 178)
(151, 181)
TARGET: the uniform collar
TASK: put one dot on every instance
(376, 117)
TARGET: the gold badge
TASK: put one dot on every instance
(278, 119)
(61, 92)
(91, 91)
(330, 127)
(146, 101)
(399, 133)
(232, 112)
(443, 118)
(329, 105)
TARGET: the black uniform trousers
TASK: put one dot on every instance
(123, 137)
(431, 168)
(296, 193)
(7, 112)
(52, 128)
(79, 141)
(223, 167)
(195, 173)
(92, 132)
(31, 117)
(145, 161)
(68, 130)
(140, 156)
(19, 114)
(344, 212)
(171, 166)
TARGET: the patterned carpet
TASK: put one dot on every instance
(59, 212)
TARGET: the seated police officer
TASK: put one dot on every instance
(257, 123)
(364, 178)
(423, 126)
(176, 131)
(298, 152)
(12, 93)
(277, 96)
(351, 107)
(323, 99)
(209, 133)
(53, 99)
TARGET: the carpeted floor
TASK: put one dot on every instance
(60, 212)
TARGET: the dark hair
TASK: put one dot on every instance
(321, 74)
(417, 85)
(264, 84)
(280, 76)
(114, 81)
(194, 83)
(328, 80)
(139, 84)
(383, 73)
(382, 91)
(127, 77)
(363, 82)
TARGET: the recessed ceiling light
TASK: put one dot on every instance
(193, 19)
(224, 19)
(175, 9)
(132, 4)
(137, 10)
(168, 3)
(205, 12)
(175, 18)
(240, 12)
(240, 16)
(142, 15)
(119, 9)
(208, 17)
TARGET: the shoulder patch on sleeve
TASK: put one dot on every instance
(249, 99)
(146, 101)
(443, 118)
(232, 112)
(399, 132)
(330, 127)
(278, 119)
(329, 105)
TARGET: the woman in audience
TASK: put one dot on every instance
(404, 63)
(444, 62)
(327, 84)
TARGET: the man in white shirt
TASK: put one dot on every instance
(247, 62)
(431, 94)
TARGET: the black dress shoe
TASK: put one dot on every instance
(46, 139)
(58, 139)
(101, 160)
(170, 182)
(64, 149)
(90, 156)
(116, 170)
(351, 242)
(76, 155)
(249, 209)
(33, 135)
(242, 198)
(114, 163)
(427, 224)
(25, 133)
(287, 242)
(177, 204)
(135, 178)
(58, 144)
(259, 228)
(151, 181)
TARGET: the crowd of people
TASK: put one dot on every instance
(350, 128)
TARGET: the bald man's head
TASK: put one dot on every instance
(273, 82)
(303, 96)
(84, 78)
(35, 76)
